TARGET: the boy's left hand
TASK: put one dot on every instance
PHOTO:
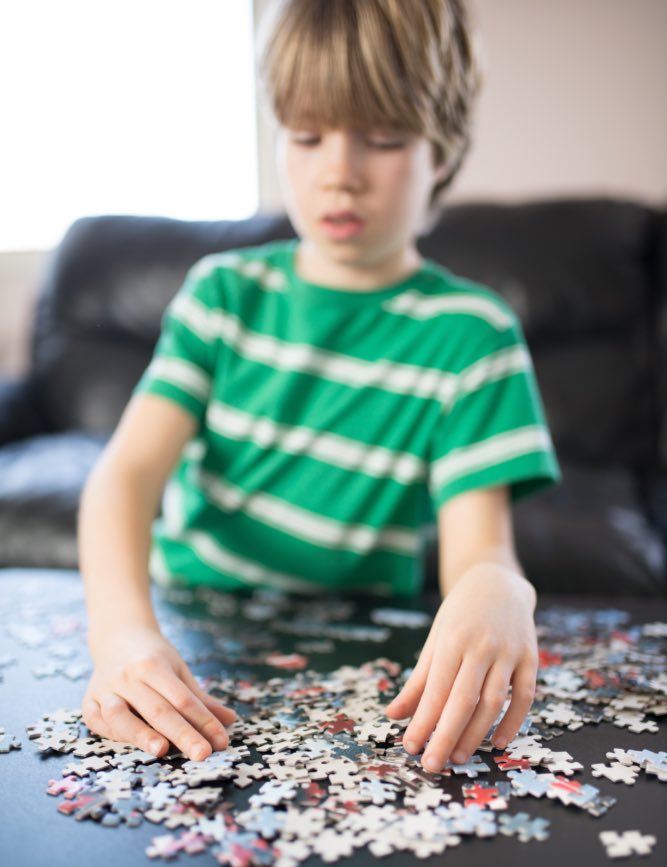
(481, 641)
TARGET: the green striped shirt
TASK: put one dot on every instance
(333, 424)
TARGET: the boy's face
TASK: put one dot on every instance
(357, 200)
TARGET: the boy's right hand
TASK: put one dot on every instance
(142, 692)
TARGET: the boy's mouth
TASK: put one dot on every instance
(341, 225)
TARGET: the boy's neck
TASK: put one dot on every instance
(355, 276)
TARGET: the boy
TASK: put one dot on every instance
(304, 396)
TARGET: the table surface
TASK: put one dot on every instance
(32, 832)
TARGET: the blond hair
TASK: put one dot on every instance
(403, 64)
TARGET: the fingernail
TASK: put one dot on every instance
(155, 746)
(432, 763)
(411, 746)
(198, 753)
(500, 743)
(459, 757)
(220, 742)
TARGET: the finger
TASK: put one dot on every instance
(491, 700)
(157, 711)
(458, 710)
(92, 717)
(441, 678)
(163, 681)
(404, 704)
(225, 714)
(121, 724)
(523, 693)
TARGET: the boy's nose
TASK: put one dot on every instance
(342, 167)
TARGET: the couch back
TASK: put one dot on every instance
(99, 311)
(584, 277)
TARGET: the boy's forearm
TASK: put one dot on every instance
(114, 541)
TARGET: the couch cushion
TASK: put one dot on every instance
(40, 485)
(100, 307)
(580, 275)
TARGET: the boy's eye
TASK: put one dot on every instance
(305, 139)
(386, 139)
(386, 144)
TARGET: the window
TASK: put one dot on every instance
(133, 107)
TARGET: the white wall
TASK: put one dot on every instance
(19, 273)
(574, 100)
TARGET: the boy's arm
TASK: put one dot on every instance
(141, 691)
(482, 639)
(118, 505)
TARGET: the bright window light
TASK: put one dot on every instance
(130, 107)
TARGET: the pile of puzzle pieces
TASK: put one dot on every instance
(314, 767)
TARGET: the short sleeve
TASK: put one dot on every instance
(183, 362)
(493, 431)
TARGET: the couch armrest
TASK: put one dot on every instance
(20, 416)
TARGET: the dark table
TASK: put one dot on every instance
(33, 833)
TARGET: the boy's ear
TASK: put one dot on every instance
(442, 172)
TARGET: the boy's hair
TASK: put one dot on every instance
(403, 64)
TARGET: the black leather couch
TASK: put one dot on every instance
(588, 279)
